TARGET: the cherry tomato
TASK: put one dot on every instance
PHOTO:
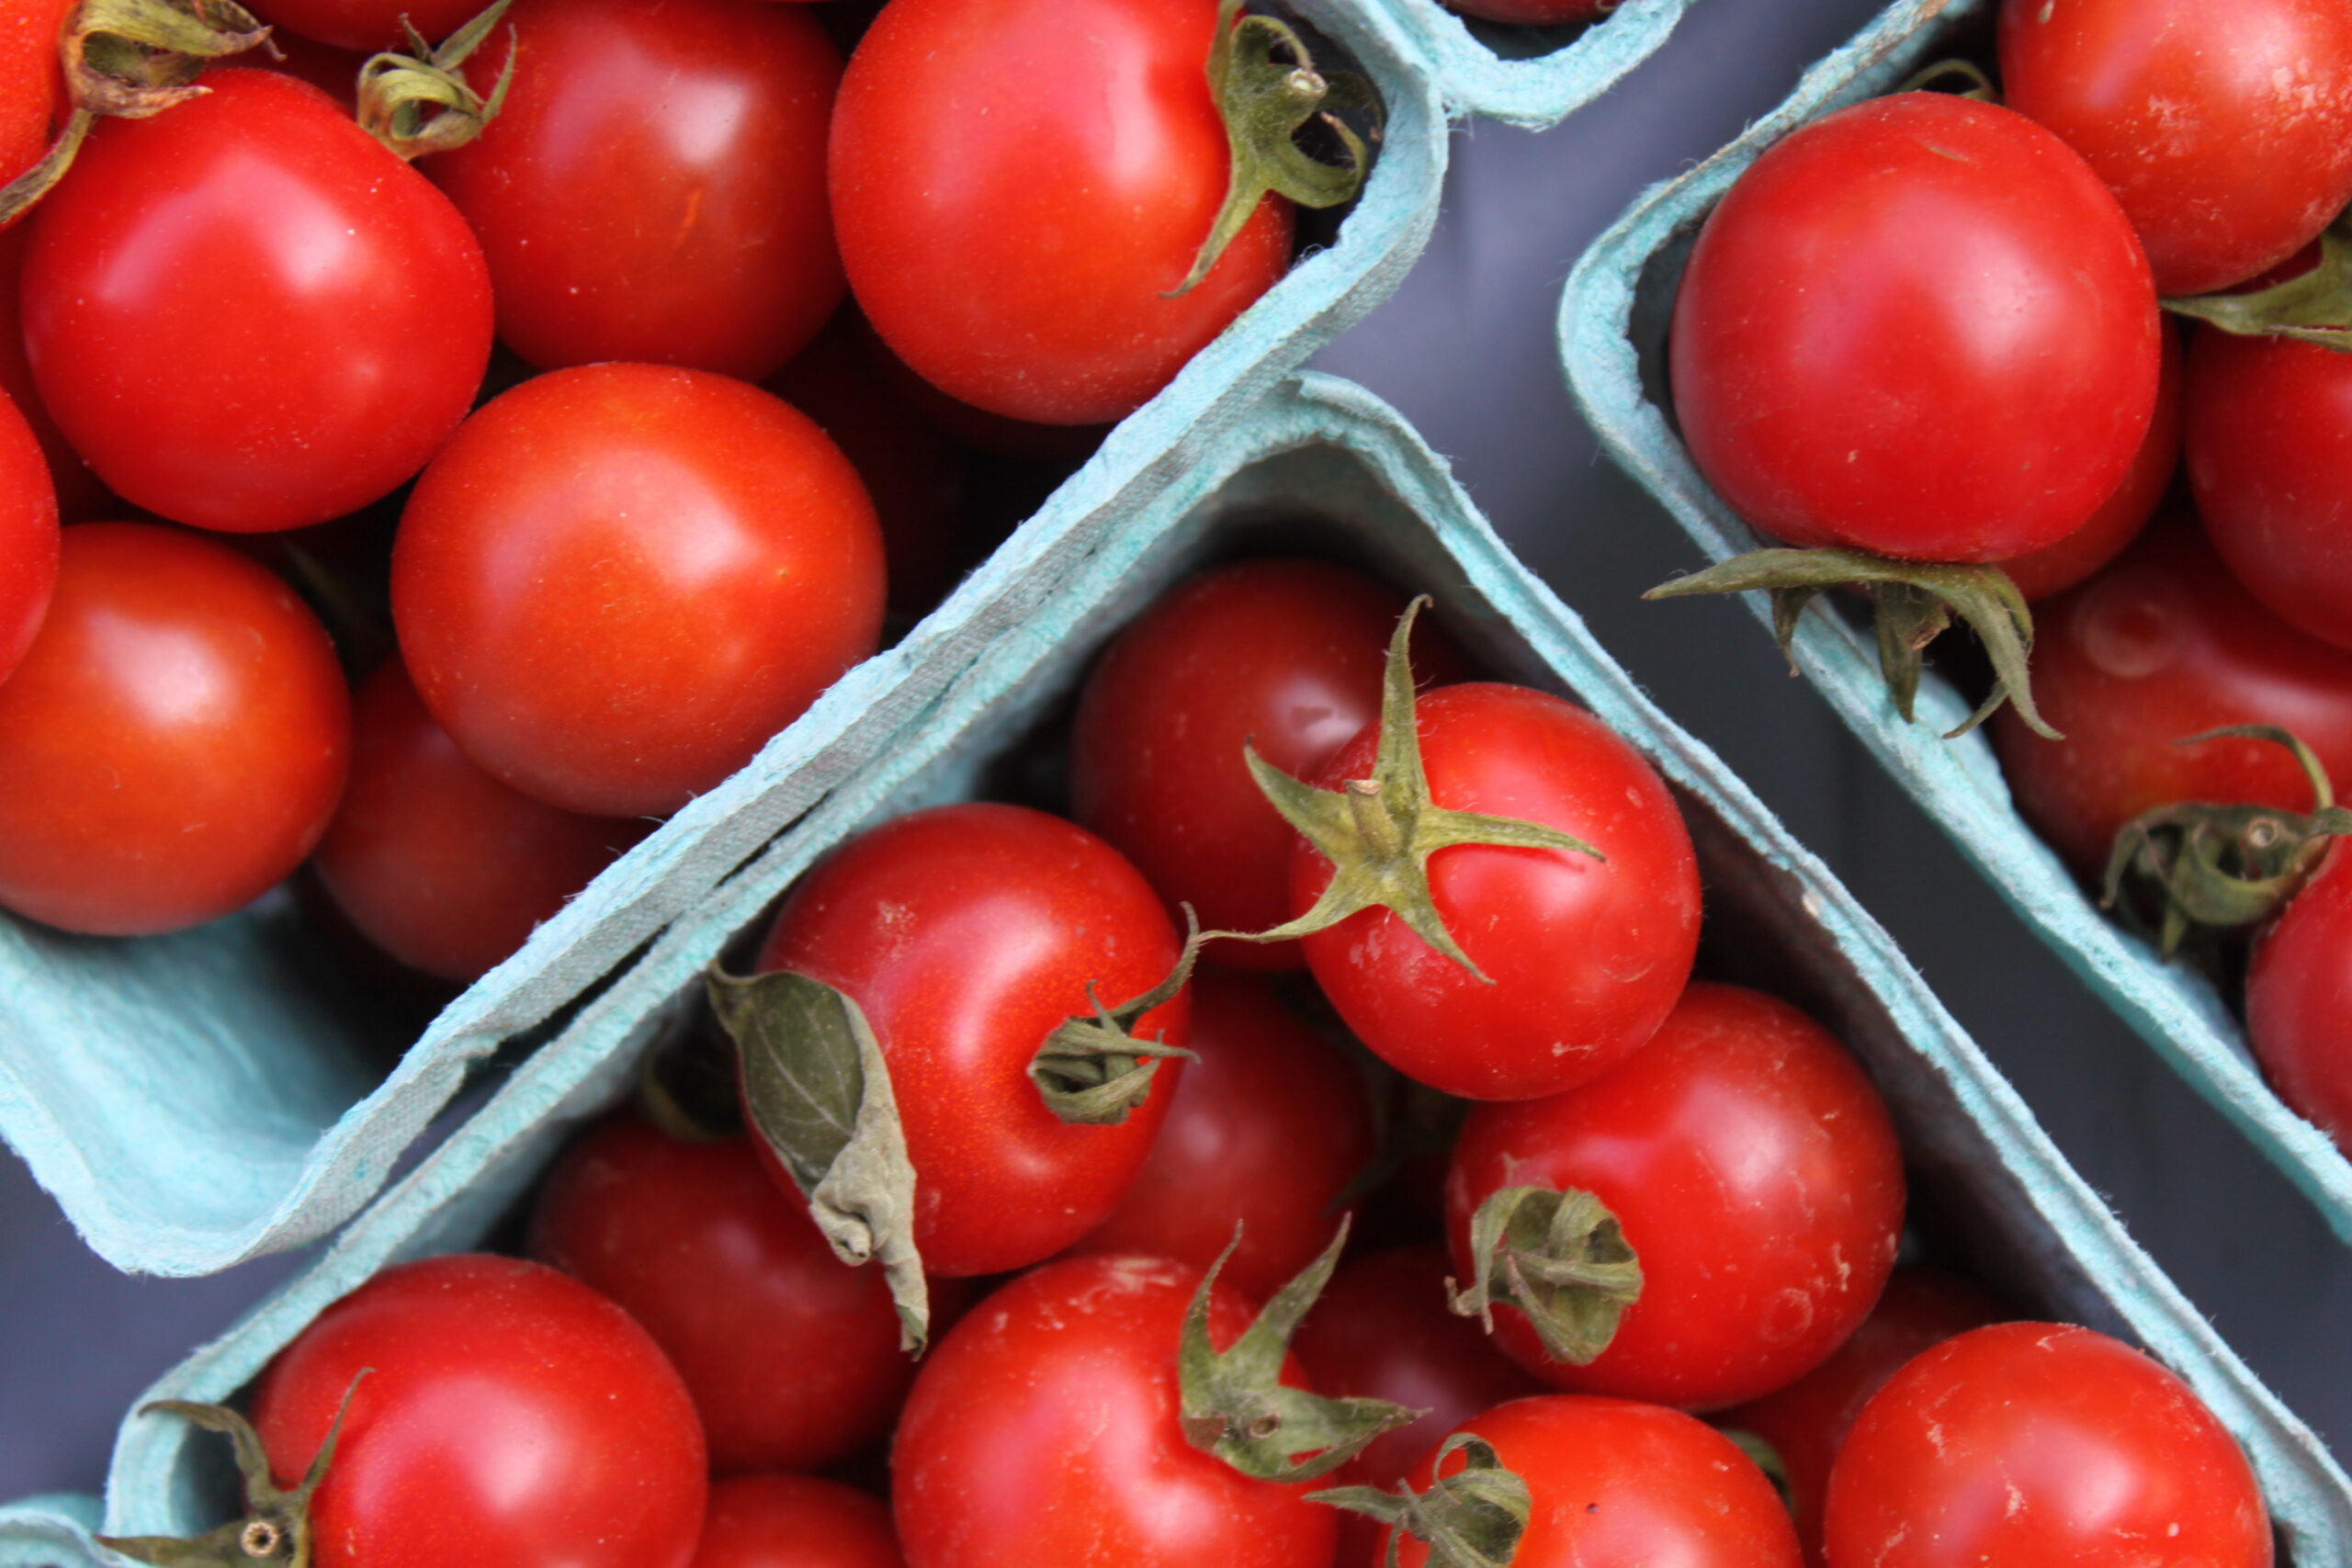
(1806, 1422)
(1585, 956)
(1013, 212)
(1267, 1129)
(1286, 655)
(2224, 129)
(966, 933)
(80, 497)
(796, 1522)
(1043, 1429)
(174, 740)
(1381, 1330)
(1615, 1481)
(510, 1414)
(247, 314)
(2034, 1443)
(368, 26)
(2161, 646)
(1753, 1171)
(619, 581)
(653, 188)
(32, 89)
(1920, 327)
(28, 535)
(334, 71)
(2299, 1001)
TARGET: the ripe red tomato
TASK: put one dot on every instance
(972, 142)
(1920, 327)
(1807, 1421)
(28, 535)
(2051, 571)
(2299, 1001)
(1269, 1127)
(1586, 956)
(796, 1522)
(80, 497)
(1043, 1429)
(371, 24)
(2161, 646)
(510, 1414)
(1616, 1481)
(2224, 129)
(32, 89)
(247, 314)
(966, 933)
(619, 582)
(174, 741)
(653, 188)
(2031, 1442)
(1755, 1172)
(1286, 655)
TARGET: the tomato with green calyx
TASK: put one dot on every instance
(796, 1522)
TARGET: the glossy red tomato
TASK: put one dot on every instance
(1586, 956)
(80, 497)
(247, 314)
(2161, 646)
(973, 141)
(966, 933)
(510, 1414)
(1267, 1129)
(371, 24)
(2224, 127)
(2299, 1001)
(1920, 327)
(1615, 1481)
(2051, 571)
(1284, 654)
(2034, 1443)
(1043, 1429)
(1807, 1421)
(174, 741)
(1382, 1330)
(796, 1522)
(620, 581)
(28, 535)
(653, 188)
(1755, 1172)
(32, 89)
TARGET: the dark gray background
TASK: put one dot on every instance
(1465, 349)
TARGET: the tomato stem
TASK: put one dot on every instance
(1472, 1518)
(2313, 307)
(1095, 1071)
(420, 102)
(1561, 1258)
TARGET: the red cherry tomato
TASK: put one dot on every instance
(620, 581)
(1586, 956)
(247, 314)
(80, 497)
(1806, 1422)
(32, 90)
(1286, 655)
(2033, 1443)
(28, 535)
(2161, 646)
(1267, 1129)
(1043, 1429)
(653, 188)
(966, 933)
(1755, 1172)
(1382, 1330)
(174, 741)
(368, 26)
(2224, 127)
(1013, 212)
(1920, 327)
(510, 1414)
(1615, 1481)
(334, 71)
(2299, 1001)
(796, 1522)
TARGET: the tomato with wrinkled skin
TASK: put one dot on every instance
(174, 740)
(619, 581)
(1615, 1481)
(368, 26)
(2047, 572)
(2161, 646)
(1043, 1429)
(1584, 956)
(1013, 212)
(2299, 1001)
(1919, 327)
(967, 934)
(1755, 1173)
(28, 535)
(32, 88)
(653, 188)
(2224, 126)
(796, 1522)
(247, 314)
(509, 1414)
(2037, 1443)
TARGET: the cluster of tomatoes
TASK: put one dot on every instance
(1925, 332)
(1447, 991)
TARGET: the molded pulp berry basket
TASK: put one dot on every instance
(1533, 77)
(1613, 330)
(197, 1099)
(1325, 468)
